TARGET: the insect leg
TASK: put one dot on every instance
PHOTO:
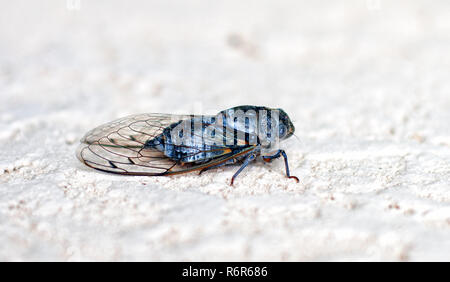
(270, 158)
(277, 155)
(247, 160)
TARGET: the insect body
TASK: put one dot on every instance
(163, 144)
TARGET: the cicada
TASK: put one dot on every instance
(165, 144)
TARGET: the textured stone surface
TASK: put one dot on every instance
(365, 81)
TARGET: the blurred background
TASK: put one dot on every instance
(109, 58)
(365, 81)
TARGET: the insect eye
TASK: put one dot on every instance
(282, 130)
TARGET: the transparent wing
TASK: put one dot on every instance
(119, 147)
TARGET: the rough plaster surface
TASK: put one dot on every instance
(367, 83)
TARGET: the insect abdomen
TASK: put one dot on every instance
(193, 149)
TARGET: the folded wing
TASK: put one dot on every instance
(119, 147)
